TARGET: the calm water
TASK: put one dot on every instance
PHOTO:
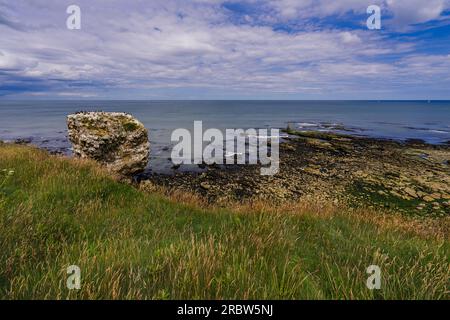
(44, 121)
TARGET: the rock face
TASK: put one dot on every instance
(115, 139)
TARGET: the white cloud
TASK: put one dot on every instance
(416, 11)
(178, 45)
(10, 62)
(404, 12)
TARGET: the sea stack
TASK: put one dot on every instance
(114, 139)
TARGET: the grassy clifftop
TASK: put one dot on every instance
(56, 212)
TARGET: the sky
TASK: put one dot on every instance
(213, 49)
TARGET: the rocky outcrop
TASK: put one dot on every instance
(116, 140)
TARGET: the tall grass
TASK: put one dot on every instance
(56, 212)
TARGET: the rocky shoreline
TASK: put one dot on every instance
(411, 178)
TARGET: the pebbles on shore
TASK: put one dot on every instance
(338, 168)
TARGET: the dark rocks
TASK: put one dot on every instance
(23, 141)
(370, 173)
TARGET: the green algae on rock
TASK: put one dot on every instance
(115, 139)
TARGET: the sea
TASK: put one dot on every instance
(43, 123)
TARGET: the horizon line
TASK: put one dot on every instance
(262, 100)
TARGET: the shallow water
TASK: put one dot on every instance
(43, 122)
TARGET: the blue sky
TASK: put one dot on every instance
(212, 49)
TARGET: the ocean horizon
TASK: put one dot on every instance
(43, 122)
